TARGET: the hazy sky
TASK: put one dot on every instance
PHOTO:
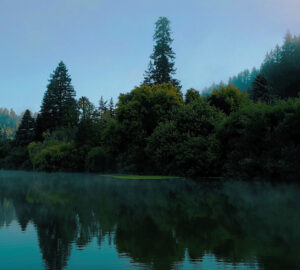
(106, 43)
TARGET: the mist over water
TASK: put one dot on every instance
(88, 221)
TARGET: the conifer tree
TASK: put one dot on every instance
(25, 133)
(59, 107)
(161, 67)
(87, 118)
(86, 109)
(102, 107)
(148, 75)
(111, 108)
(261, 90)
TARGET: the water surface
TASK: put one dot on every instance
(81, 221)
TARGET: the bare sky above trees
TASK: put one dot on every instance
(106, 44)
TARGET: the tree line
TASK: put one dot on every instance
(155, 128)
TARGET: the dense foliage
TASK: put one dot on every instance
(156, 129)
(282, 67)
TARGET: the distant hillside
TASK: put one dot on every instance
(243, 81)
(9, 122)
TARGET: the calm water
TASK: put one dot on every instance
(80, 221)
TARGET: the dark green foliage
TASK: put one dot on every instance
(13, 153)
(281, 67)
(152, 129)
(161, 66)
(263, 141)
(162, 147)
(4, 149)
(138, 114)
(148, 76)
(191, 96)
(98, 160)
(53, 155)
(186, 145)
(15, 158)
(25, 133)
(261, 90)
(227, 99)
(102, 107)
(87, 119)
(111, 108)
(59, 107)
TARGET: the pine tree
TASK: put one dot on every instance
(87, 118)
(59, 108)
(111, 108)
(161, 66)
(288, 48)
(86, 109)
(148, 76)
(102, 107)
(261, 90)
(25, 133)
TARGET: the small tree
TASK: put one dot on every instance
(191, 96)
(111, 108)
(25, 132)
(102, 107)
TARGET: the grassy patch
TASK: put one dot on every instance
(142, 177)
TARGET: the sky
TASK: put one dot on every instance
(106, 44)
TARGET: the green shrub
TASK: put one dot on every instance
(98, 160)
(53, 157)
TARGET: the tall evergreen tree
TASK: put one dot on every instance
(25, 133)
(59, 107)
(86, 109)
(111, 108)
(88, 115)
(102, 107)
(148, 75)
(161, 66)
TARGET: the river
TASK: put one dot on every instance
(88, 221)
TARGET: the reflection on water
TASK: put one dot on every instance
(80, 221)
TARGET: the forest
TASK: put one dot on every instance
(248, 128)
(9, 122)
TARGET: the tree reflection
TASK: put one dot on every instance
(156, 223)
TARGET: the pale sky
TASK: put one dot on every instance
(106, 44)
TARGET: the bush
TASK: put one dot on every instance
(228, 99)
(16, 158)
(56, 156)
(98, 160)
